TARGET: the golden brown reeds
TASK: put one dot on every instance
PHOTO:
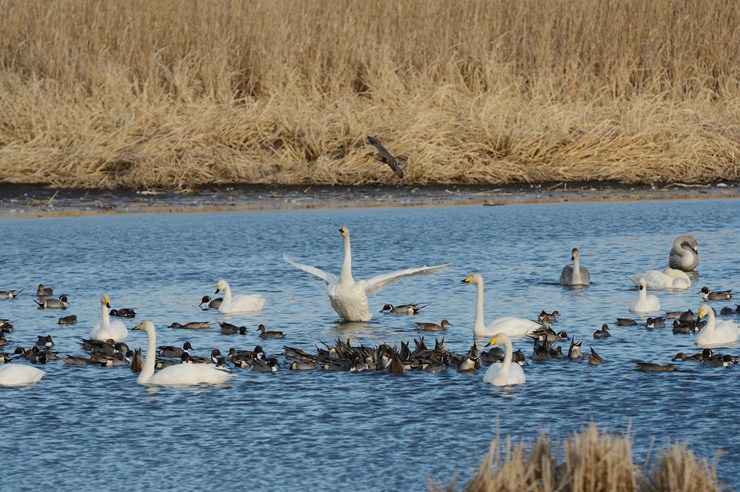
(179, 93)
(594, 461)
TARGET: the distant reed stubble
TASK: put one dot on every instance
(176, 94)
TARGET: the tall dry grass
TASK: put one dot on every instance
(180, 93)
(594, 461)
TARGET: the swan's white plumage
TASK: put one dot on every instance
(716, 334)
(178, 374)
(504, 373)
(107, 328)
(349, 298)
(644, 303)
(19, 375)
(513, 327)
(668, 279)
(238, 304)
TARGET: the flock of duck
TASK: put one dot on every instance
(175, 366)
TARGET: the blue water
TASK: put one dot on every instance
(88, 428)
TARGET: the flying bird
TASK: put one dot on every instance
(384, 156)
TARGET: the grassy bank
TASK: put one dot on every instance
(593, 461)
(177, 93)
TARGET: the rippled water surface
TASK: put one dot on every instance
(89, 428)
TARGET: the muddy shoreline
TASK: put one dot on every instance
(30, 201)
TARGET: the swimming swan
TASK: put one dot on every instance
(238, 304)
(575, 274)
(644, 303)
(108, 329)
(178, 374)
(513, 327)
(716, 334)
(349, 298)
(19, 374)
(506, 373)
(668, 279)
(684, 254)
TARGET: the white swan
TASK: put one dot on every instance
(19, 375)
(506, 373)
(716, 334)
(349, 298)
(178, 374)
(668, 279)
(684, 254)
(108, 329)
(513, 327)
(238, 304)
(575, 274)
(644, 303)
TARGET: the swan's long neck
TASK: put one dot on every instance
(711, 320)
(106, 316)
(643, 295)
(508, 355)
(576, 270)
(346, 274)
(149, 358)
(226, 303)
(480, 323)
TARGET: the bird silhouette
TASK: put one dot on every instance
(384, 156)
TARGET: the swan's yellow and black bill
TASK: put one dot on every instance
(466, 280)
(138, 327)
(218, 288)
(492, 342)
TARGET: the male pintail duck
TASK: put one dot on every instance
(44, 341)
(386, 157)
(42, 291)
(433, 326)
(68, 320)
(265, 365)
(655, 323)
(717, 295)
(269, 334)
(123, 313)
(402, 309)
(207, 303)
(575, 275)
(471, 361)
(9, 294)
(684, 254)
(51, 303)
(574, 352)
(603, 332)
(172, 351)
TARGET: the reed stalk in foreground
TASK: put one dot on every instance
(177, 93)
(594, 461)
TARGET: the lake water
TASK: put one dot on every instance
(87, 428)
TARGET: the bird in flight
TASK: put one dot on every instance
(384, 156)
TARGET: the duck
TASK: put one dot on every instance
(68, 320)
(658, 322)
(433, 326)
(504, 373)
(512, 327)
(172, 351)
(19, 375)
(9, 294)
(651, 367)
(594, 358)
(402, 309)
(544, 317)
(178, 374)
(299, 365)
(575, 275)
(726, 311)
(269, 334)
(718, 295)
(603, 332)
(575, 352)
(470, 361)
(50, 303)
(229, 329)
(716, 334)
(193, 325)
(265, 365)
(207, 303)
(108, 329)
(238, 304)
(683, 357)
(644, 303)
(137, 362)
(546, 334)
(684, 254)
(626, 322)
(42, 291)
(123, 313)
(668, 279)
(386, 157)
(348, 297)
(44, 341)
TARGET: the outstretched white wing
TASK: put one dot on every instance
(327, 277)
(376, 284)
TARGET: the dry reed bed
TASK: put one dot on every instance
(177, 93)
(594, 461)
